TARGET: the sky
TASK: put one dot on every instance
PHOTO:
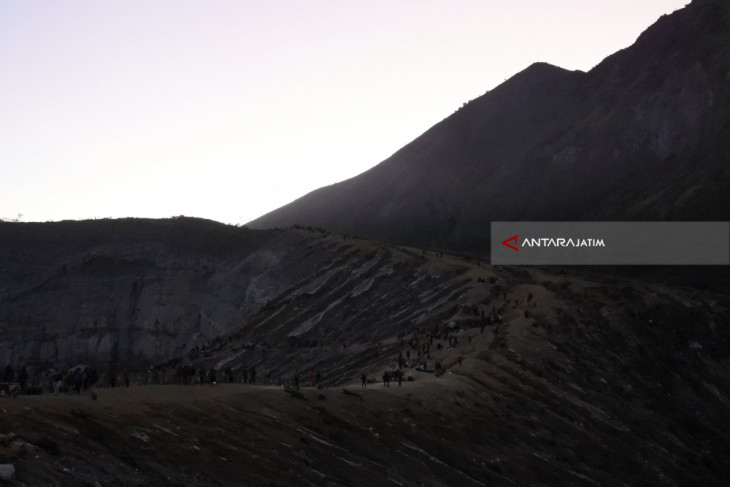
(228, 109)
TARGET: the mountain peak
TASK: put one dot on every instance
(640, 136)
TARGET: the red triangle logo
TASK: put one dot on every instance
(510, 246)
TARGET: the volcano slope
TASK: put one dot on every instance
(585, 380)
(640, 137)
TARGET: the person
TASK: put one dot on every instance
(400, 377)
(461, 359)
(296, 382)
(23, 377)
(245, 375)
(311, 378)
(125, 378)
(201, 373)
(364, 380)
(77, 380)
(319, 377)
(252, 378)
(113, 377)
(9, 375)
(57, 380)
(212, 379)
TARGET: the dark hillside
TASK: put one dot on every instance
(642, 136)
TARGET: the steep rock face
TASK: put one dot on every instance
(640, 136)
(132, 291)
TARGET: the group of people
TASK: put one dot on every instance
(81, 379)
(388, 376)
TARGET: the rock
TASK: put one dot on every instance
(7, 471)
(7, 439)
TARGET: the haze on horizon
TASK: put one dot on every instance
(228, 110)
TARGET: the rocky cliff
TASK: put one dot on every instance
(129, 292)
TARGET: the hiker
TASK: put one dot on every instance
(57, 381)
(311, 378)
(201, 373)
(319, 377)
(461, 359)
(112, 377)
(245, 375)
(400, 377)
(364, 380)
(9, 374)
(77, 380)
(23, 377)
(125, 378)
(253, 375)
(212, 379)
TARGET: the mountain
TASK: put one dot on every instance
(569, 378)
(130, 292)
(642, 136)
(134, 293)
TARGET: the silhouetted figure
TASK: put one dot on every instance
(125, 378)
(364, 380)
(22, 377)
(77, 380)
(9, 375)
(113, 378)
(253, 375)
(201, 374)
(319, 377)
(57, 381)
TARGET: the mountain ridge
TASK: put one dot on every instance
(638, 137)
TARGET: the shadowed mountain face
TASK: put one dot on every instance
(642, 136)
(129, 292)
(553, 378)
(133, 293)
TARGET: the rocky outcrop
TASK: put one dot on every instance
(129, 292)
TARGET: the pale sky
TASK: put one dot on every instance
(228, 109)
